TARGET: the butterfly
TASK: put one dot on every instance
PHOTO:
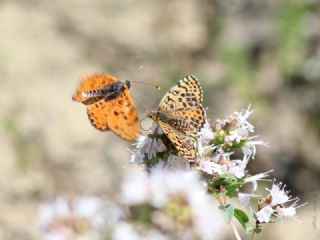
(109, 105)
(181, 116)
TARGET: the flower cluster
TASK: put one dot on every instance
(155, 148)
(82, 218)
(274, 205)
(217, 144)
(167, 204)
(232, 133)
(176, 200)
(224, 174)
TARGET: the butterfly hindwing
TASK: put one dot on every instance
(98, 114)
(195, 117)
(122, 118)
(186, 145)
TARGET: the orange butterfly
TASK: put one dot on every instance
(109, 105)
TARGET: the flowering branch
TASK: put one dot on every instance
(176, 200)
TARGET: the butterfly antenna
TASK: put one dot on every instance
(143, 117)
(150, 84)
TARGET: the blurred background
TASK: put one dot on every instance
(263, 53)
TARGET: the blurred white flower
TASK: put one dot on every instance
(70, 220)
(126, 231)
(134, 190)
(169, 193)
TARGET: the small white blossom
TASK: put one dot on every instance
(264, 214)
(206, 134)
(255, 178)
(276, 207)
(148, 146)
(242, 121)
(249, 149)
(279, 195)
(234, 167)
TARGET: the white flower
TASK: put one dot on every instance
(237, 167)
(134, 190)
(286, 212)
(236, 135)
(249, 149)
(234, 167)
(264, 214)
(255, 178)
(148, 146)
(58, 218)
(275, 205)
(125, 231)
(163, 187)
(279, 196)
(206, 134)
(242, 117)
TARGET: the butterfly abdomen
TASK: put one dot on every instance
(95, 93)
(108, 92)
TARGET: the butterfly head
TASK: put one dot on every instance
(126, 84)
(151, 114)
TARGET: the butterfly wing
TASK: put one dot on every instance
(123, 118)
(98, 114)
(185, 145)
(187, 93)
(195, 117)
(94, 81)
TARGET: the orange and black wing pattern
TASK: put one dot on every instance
(117, 113)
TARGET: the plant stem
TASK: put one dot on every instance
(235, 231)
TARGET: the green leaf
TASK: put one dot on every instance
(230, 183)
(227, 212)
(243, 219)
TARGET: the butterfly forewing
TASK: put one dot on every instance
(194, 117)
(186, 93)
